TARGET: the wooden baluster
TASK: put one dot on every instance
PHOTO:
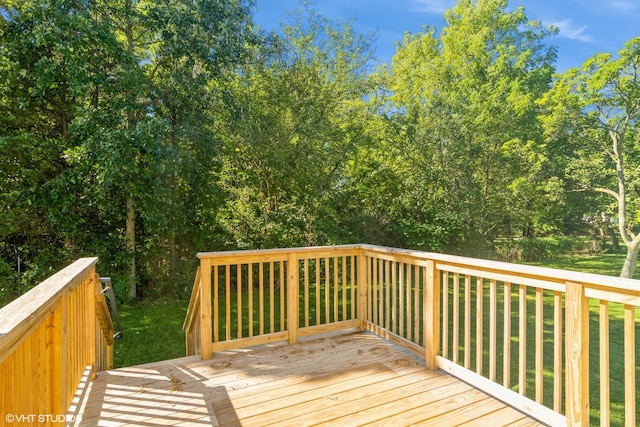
(343, 261)
(261, 296)
(605, 397)
(272, 298)
(506, 351)
(522, 341)
(306, 292)
(318, 291)
(250, 297)
(539, 351)
(445, 314)
(629, 366)
(327, 291)
(557, 351)
(227, 301)
(352, 284)
(479, 324)
(409, 304)
(493, 328)
(401, 302)
(281, 290)
(239, 300)
(336, 274)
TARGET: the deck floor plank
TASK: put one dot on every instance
(349, 379)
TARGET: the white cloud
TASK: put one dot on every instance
(433, 6)
(624, 6)
(569, 31)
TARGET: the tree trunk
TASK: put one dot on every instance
(615, 244)
(172, 257)
(130, 233)
(629, 266)
(130, 246)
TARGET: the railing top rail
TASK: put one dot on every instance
(551, 274)
(625, 286)
(17, 317)
(283, 251)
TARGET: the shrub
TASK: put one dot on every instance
(537, 249)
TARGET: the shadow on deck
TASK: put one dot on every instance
(348, 379)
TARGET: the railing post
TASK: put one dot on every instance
(431, 318)
(577, 355)
(205, 308)
(363, 285)
(293, 291)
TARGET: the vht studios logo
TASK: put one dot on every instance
(40, 418)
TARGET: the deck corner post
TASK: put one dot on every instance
(205, 309)
(577, 355)
(431, 318)
(293, 291)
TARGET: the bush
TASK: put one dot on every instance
(537, 249)
(9, 283)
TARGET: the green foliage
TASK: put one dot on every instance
(103, 104)
(431, 235)
(9, 282)
(142, 132)
(593, 110)
(538, 249)
(298, 118)
(468, 115)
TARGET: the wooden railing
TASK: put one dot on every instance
(520, 333)
(252, 299)
(50, 338)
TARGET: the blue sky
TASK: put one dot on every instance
(586, 26)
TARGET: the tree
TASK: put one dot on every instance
(296, 124)
(154, 153)
(108, 122)
(466, 101)
(55, 58)
(596, 108)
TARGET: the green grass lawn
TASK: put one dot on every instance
(152, 331)
(607, 264)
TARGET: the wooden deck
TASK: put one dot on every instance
(343, 380)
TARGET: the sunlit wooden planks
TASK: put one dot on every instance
(354, 379)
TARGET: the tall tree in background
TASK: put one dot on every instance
(466, 98)
(152, 157)
(297, 122)
(56, 58)
(595, 109)
(108, 103)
